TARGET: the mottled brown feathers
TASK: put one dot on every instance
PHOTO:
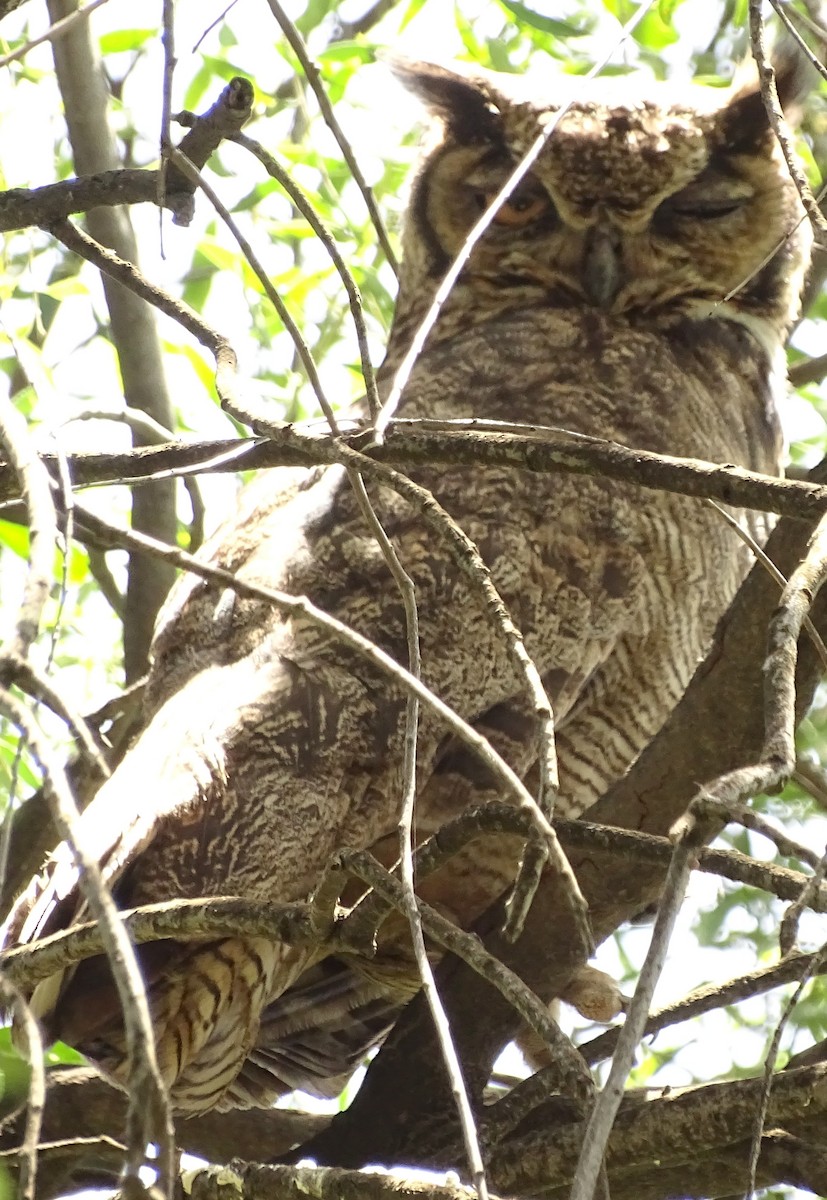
(623, 292)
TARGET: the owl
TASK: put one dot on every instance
(638, 284)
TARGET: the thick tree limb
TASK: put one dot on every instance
(82, 1105)
(674, 1129)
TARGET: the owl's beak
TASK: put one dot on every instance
(601, 268)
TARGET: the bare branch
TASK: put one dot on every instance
(12, 1000)
(602, 1118)
(311, 73)
(58, 29)
(324, 235)
(769, 92)
(33, 480)
(24, 207)
(678, 1128)
(792, 967)
(409, 443)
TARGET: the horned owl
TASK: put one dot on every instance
(638, 285)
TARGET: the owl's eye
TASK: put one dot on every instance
(708, 210)
(707, 200)
(518, 211)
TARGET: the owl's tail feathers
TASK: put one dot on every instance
(315, 1035)
(205, 1001)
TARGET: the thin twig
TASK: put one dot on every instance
(35, 486)
(779, 669)
(805, 16)
(788, 930)
(213, 24)
(769, 93)
(194, 175)
(29, 679)
(813, 59)
(311, 73)
(410, 903)
(57, 30)
(813, 779)
(302, 203)
(153, 432)
(709, 805)
(148, 1119)
(361, 25)
(600, 1122)
(817, 961)
(165, 139)
(36, 490)
(25, 1021)
(766, 562)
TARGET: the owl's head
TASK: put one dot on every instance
(655, 202)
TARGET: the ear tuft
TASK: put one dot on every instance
(746, 123)
(795, 78)
(464, 103)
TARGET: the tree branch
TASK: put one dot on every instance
(478, 444)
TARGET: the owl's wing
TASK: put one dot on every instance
(315, 1035)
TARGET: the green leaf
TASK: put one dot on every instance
(552, 25)
(410, 12)
(226, 37)
(48, 307)
(62, 1055)
(78, 568)
(313, 16)
(499, 55)
(122, 40)
(667, 9)
(15, 538)
(15, 1075)
(348, 52)
(653, 35)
